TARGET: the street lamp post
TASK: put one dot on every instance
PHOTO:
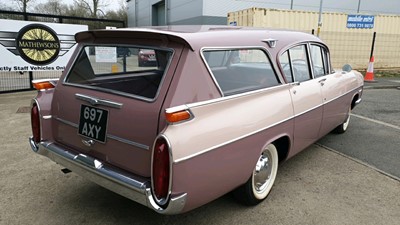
(359, 4)
(319, 18)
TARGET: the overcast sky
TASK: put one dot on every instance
(111, 4)
(349, 6)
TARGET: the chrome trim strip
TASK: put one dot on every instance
(67, 122)
(231, 141)
(116, 138)
(96, 101)
(126, 141)
(257, 131)
(126, 184)
(47, 117)
(226, 98)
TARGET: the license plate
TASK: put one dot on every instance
(93, 123)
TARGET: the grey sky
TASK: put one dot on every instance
(348, 6)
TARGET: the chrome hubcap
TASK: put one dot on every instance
(262, 172)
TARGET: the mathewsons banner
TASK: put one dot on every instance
(35, 46)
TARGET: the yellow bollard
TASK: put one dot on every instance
(114, 68)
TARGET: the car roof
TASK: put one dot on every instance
(200, 36)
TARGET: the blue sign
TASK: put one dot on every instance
(360, 21)
(234, 23)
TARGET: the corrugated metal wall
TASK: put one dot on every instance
(347, 45)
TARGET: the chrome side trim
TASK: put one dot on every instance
(116, 138)
(231, 141)
(97, 101)
(67, 122)
(126, 184)
(257, 131)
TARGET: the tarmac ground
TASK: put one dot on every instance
(318, 186)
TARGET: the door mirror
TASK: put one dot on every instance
(347, 68)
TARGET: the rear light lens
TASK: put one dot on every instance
(161, 170)
(44, 84)
(179, 116)
(35, 122)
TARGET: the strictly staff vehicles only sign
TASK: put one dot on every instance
(34, 46)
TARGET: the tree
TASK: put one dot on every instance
(52, 7)
(23, 4)
(119, 14)
(92, 6)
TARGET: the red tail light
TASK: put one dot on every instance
(161, 170)
(35, 122)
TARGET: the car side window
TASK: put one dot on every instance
(242, 70)
(284, 60)
(299, 62)
(319, 60)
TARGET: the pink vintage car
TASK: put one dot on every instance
(216, 113)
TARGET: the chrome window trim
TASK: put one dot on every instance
(113, 137)
(229, 48)
(259, 130)
(80, 50)
(307, 43)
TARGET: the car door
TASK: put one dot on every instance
(335, 109)
(306, 96)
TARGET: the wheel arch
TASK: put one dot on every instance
(282, 144)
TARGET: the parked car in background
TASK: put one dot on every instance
(147, 57)
(123, 51)
(217, 113)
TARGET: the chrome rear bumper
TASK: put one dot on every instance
(130, 186)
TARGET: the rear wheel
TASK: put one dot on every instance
(257, 188)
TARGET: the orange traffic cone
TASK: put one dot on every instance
(369, 76)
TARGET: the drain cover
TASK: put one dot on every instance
(24, 109)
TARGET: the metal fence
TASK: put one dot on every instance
(22, 81)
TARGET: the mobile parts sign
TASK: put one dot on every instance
(360, 21)
(33, 46)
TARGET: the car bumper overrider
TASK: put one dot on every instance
(133, 187)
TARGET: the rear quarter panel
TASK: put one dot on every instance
(217, 150)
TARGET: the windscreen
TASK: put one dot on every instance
(122, 70)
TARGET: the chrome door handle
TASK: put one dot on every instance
(322, 80)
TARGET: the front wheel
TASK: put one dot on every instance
(259, 185)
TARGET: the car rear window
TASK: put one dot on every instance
(124, 70)
(240, 70)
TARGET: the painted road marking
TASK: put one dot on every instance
(376, 121)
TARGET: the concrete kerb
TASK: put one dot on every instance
(383, 83)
